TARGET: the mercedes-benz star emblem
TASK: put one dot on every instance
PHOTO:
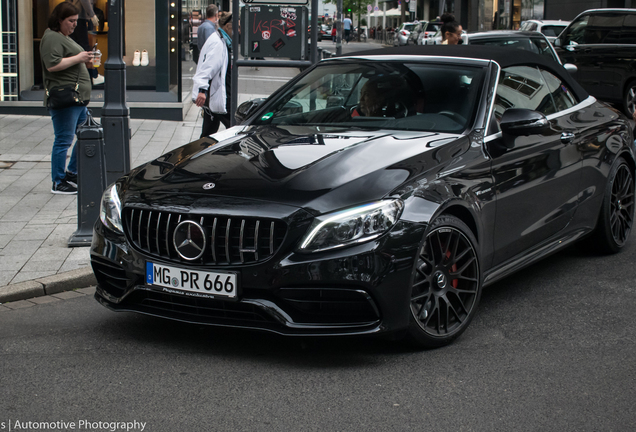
(189, 240)
(441, 280)
(209, 186)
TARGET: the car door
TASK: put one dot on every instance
(536, 182)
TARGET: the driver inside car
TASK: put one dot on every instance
(384, 97)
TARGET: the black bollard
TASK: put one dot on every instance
(91, 179)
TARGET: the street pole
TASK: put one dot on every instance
(115, 118)
(340, 17)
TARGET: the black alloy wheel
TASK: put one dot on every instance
(617, 212)
(446, 284)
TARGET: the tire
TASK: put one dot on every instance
(617, 211)
(628, 97)
(445, 285)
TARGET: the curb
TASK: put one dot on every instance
(67, 281)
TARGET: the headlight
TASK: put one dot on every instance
(110, 209)
(351, 226)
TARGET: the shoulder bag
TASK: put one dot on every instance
(64, 96)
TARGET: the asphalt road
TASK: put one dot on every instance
(552, 349)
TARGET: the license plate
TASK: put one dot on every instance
(193, 283)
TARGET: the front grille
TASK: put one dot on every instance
(229, 240)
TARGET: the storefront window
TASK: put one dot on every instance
(9, 54)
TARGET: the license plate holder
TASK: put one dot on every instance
(192, 282)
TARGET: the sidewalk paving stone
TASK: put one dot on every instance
(20, 304)
(67, 295)
(44, 299)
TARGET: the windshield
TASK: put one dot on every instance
(408, 27)
(373, 94)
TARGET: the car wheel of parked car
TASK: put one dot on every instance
(617, 212)
(628, 98)
(446, 283)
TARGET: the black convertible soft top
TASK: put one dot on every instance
(505, 57)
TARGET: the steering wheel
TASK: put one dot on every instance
(454, 116)
(401, 110)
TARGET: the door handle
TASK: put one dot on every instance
(567, 137)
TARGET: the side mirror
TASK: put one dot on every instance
(521, 122)
(246, 109)
(572, 69)
(557, 42)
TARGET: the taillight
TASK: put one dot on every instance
(403, 33)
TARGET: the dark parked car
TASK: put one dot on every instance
(602, 44)
(376, 193)
(525, 40)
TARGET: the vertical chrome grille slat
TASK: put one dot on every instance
(148, 231)
(271, 238)
(252, 240)
(157, 234)
(241, 236)
(132, 222)
(227, 240)
(141, 214)
(213, 245)
(256, 240)
(168, 234)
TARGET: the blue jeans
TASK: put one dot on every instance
(65, 123)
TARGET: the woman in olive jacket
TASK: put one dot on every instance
(63, 63)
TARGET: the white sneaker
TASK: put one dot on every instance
(144, 58)
(136, 56)
(99, 80)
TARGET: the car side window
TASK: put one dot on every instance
(628, 35)
(523, 87)
(576, 31)
(604, 29)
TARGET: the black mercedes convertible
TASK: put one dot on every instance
(373, 193)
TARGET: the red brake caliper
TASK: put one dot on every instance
(453, 269)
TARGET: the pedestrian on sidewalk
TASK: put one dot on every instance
(64, 64)
(206, 29)
(347, 28)
(212, 81)
(87, 21)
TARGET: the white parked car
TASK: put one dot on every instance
(428, 31)
(403, 33)
(550, 28)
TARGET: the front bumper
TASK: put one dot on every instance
(358, 290)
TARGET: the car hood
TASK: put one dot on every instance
(319, 169)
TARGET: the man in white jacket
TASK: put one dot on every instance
(209, 89)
